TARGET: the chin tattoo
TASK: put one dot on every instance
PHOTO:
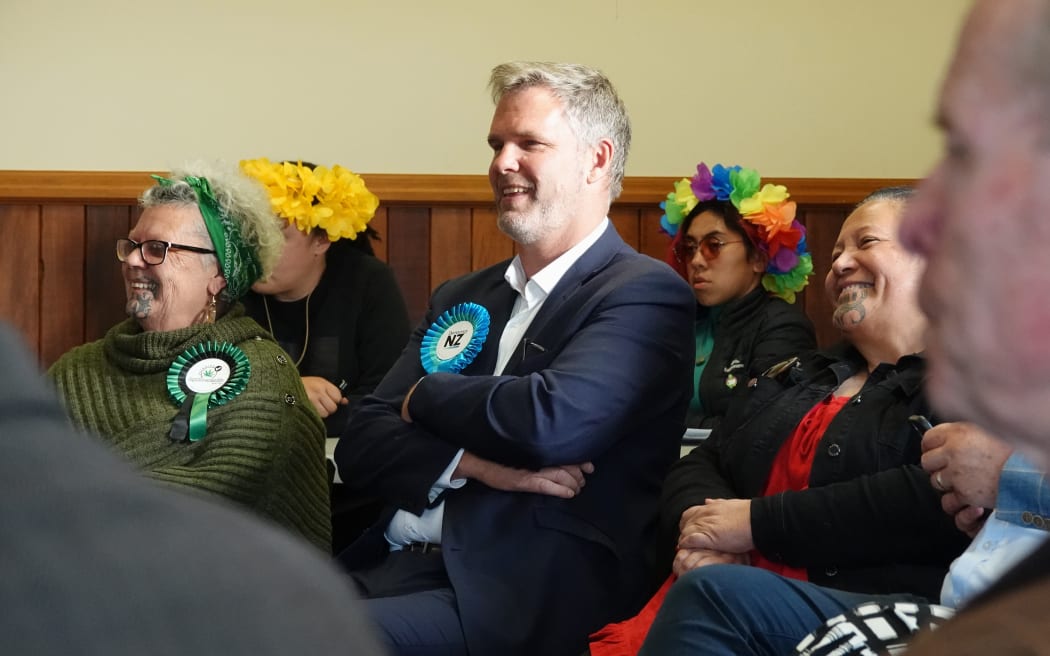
(852, 311)
(138, 308)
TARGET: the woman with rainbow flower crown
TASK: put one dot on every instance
(329, 302)
(738, 245)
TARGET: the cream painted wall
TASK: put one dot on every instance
(813, 88)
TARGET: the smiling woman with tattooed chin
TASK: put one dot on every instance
(816, 477)
(190, 389)
(813, 475)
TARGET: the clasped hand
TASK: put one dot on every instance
(563, 481)
(717, 532)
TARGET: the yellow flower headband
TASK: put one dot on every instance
(333, 199)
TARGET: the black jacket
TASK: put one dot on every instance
(358, 326)
(870, 521)
(756, 331)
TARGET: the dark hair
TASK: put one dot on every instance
(899, 194)
(362, 242)
(729, 215)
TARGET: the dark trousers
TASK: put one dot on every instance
(412, 605)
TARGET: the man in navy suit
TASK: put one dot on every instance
(523, 466)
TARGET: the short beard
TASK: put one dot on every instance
(852, 312)
(530, 227)
(525, 229)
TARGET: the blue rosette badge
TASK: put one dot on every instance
(455, 339)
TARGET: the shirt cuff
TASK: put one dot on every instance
(445, 481)
(1022, 492)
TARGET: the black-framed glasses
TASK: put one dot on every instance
(153, 250)
(710, 247)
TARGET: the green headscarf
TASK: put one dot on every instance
(240, 264)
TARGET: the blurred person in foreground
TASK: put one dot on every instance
(981, 218)
(98, 560)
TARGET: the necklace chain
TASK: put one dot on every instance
(306, 339)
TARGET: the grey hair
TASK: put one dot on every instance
(240, 197)
(900, 194)
(594, 110)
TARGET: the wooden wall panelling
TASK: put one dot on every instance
(379, 223)
(450, 243)
(488, 244)
(413, 189)
(822, 230)
(20, 270)
(653, 240)
(432, 228)
(62, 290)
(408, 254)
(626, 220)
(105, 303)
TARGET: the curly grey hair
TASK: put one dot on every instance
(594, 110)
(240, 197)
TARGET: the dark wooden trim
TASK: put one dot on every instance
(60, 283)
(403, 189)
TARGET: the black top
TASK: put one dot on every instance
(870, 521)
(756, 331)
(358, 326)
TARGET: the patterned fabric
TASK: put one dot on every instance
(263, 450)
(240, 264)
(873, 629)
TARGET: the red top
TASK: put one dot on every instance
(792, 466)
(790, 471)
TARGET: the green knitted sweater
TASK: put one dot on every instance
(263, 449)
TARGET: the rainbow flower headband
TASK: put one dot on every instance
(333, 199)
(767, 211)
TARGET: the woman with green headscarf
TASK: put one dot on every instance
(190, 389)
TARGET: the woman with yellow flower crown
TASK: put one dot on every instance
(740, 248)
(330, 303)
(333, 306)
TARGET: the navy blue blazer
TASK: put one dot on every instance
(609, 383)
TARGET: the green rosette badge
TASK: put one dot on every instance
(204, 376)
(455, 339)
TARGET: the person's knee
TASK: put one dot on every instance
(723, 584)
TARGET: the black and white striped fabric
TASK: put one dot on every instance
(873, 629)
